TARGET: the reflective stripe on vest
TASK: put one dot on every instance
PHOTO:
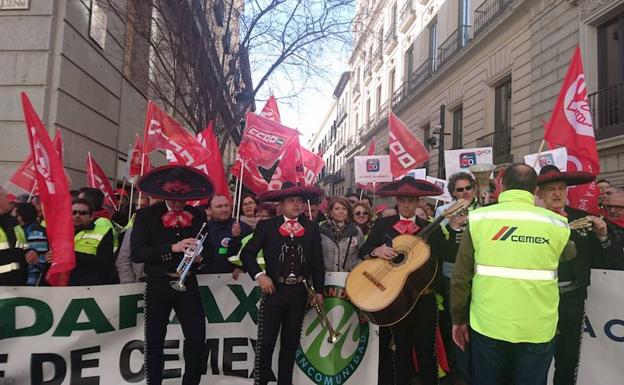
(517, 247)
(512, 273)
(87, 241)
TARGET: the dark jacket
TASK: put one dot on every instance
(96, 269)
(151, 242)
(268, 239)
(12, 255)
(611, 257)
(223, 245)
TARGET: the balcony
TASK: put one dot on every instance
(391, 40)
(378, 57)
(607, 109)
(408, 15)
(338, 176)
(500, 141)
(458, 40)
(420, 75)
(488, 12)
(356, 90)
(368, 72)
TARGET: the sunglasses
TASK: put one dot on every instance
(80, 212)
(360, 213)
(461, 189)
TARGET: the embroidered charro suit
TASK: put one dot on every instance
(299, 257)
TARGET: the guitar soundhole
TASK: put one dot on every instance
(398, 259)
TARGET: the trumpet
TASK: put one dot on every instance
(582, 225)
(190, 255)
(320, 310)
(482, 173)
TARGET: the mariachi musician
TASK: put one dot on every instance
(573, 275)
(291, 244)
(417, 328)
(161, 235)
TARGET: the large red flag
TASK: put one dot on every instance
(208, 140)
(270, 110)
(312, 165)
(291, 164)
(24, 176)
(96, 178)
(252, 179)
(571, 126)
(163, 132)
(264, 141)
(406, 151)
(54, 195)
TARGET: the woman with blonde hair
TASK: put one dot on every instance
(340, 237)
(363, 217)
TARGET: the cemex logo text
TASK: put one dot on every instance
(507, 232)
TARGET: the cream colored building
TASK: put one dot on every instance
(490, 69)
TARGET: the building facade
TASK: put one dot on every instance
(482, 73)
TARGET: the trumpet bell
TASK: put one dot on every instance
(177, 285)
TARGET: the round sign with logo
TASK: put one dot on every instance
(333, 363)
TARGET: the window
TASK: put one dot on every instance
(433, 42)
(463, 21)
(409, 63)
(368, 109)
(97, 24)
(393, 17)
(458, 116)
(391, 84)
(379, 99)
(502, 122)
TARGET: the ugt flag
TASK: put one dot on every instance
(571, 126)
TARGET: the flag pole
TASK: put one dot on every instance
(123, 188)
(91, 168)
(6, 184)
(539, 153)
(361, 194)
(309, 210)
(32, 191)
(240, 193)
(131, 193)
(142, 167)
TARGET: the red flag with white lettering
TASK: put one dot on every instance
(24, 176)
(270, 110)
(291, 164)
(96, 178)
(54, 196)
(134, 159)
(208, 141)
(406, 151)
(264, 141)
(312, 165)
(571, 126)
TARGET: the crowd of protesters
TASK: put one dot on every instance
(103, 249)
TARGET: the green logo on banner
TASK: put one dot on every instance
(326, 363)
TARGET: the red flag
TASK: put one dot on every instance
(264, 141)
(406, 151)
(571, 126)
(252, 178)
(134, 159)
(270, 110)
(291, 164)
(96, 178)
(312, 165)
(24, 176)
(54, 195)
(208, 140)
(372, 148)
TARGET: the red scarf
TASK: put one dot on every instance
(405, 226)
(177, 218)
(291, 228)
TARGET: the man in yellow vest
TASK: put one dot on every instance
(504, 294)
(12, 244)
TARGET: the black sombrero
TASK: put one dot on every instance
(290, 189)
(409, 186)
(551, 173)
(176, 182)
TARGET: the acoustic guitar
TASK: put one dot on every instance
(387, 290)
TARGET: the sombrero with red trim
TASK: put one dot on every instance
(551, 173)
(290, 189)
(176, 182)
(409, 186)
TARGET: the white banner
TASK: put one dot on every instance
(441, 183)
(557, 157)
(417, 173)
(372, 169)
(82, 334)
(459, 160)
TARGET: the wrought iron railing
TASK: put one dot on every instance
(607, 109)
(487, 12)
(500, 141)
(420, 75)
(391, 34)
(458, 39)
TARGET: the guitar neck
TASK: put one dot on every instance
(430, 228)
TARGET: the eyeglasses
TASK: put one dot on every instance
(360, 213)
(461, 189)
(80, 212)
(614, 208)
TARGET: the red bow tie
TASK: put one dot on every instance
(291, 228)
(177, 218)
(405, 226)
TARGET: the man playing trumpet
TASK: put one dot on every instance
(574, 274)
(161, 235)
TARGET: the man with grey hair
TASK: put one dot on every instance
(13, 266)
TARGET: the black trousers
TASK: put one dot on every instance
(568, 339)
(459, 361)
(417, 330)
(284, 309)
(160, 298)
